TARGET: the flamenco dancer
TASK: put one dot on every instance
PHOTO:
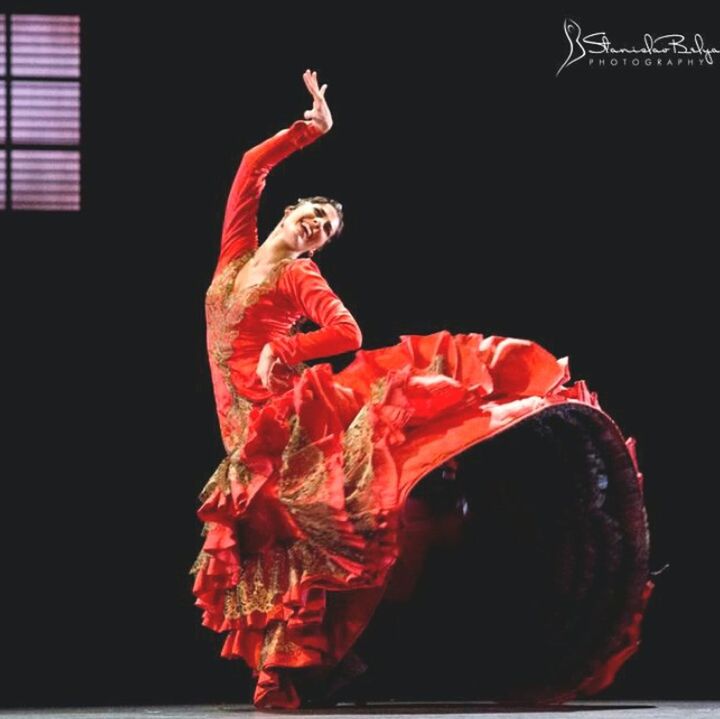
(333, 491)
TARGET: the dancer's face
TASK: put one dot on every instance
(310, 225)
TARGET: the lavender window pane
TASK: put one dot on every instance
(45, 45)
(2, 45)
(46, 113)
(3, 130)
(45, 180)
(2, 179)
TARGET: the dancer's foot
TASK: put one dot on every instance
(339, 684)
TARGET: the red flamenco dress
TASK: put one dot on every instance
(316, 516)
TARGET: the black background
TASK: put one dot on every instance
(482, 194)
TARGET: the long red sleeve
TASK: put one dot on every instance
(239, 233)
(338, 333)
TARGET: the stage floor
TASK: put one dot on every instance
(577, 710)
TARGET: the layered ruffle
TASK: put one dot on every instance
(307, 505)
(301, 521)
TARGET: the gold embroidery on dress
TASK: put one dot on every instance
(306, 558)
(276, 642)
(303, 483)
(263, 577)
(377, 389)
(200, 562)
(303, 489)
(358, 470)
(437, 366)
(228, 471)
(217, 479)
(225, 309)
(238, 416)
(303, 474)
(294, 444)
(304, 486)
(357, 443)
(258, 585)
(222, 283)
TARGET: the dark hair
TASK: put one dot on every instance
(320, 200)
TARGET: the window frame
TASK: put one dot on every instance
(7, 145)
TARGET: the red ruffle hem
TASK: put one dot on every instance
(303, 522)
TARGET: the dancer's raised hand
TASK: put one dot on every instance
(320, 113)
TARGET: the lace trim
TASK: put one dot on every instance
(228, 471)
(249, 295)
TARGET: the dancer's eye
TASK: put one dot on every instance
(319, 212)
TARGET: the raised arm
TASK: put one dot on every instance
(239, 232)
(338, 333)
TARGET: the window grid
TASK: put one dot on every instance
(40, 112)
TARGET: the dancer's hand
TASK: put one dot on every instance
(265, 365)
(320, 113)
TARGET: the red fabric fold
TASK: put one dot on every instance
(338, 333)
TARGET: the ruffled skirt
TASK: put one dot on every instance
(304, 520)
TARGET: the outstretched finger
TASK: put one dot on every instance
(307, 77)
(306, 80)
(322, 90)
(314, 82)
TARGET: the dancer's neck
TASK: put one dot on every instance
(272, 251)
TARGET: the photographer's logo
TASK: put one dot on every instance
(597, 51)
